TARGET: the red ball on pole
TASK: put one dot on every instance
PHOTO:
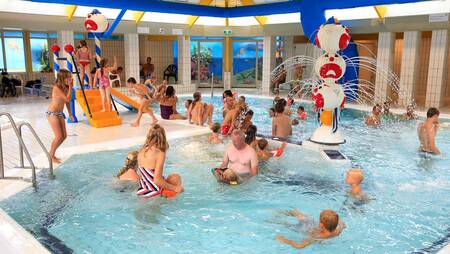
(55, 48)
(68, 48)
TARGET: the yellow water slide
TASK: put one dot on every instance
(96, 117)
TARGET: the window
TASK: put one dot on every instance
(15, 54)
(39, 55)
(2, 64)
(175, 52)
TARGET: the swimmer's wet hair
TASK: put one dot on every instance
(215, 127)
(279, 107)
(432, 112)
(358, 172)
(242, 97)
(329, 219)
(301, 108)
(249, 113)
(262, 144)
(131, 162)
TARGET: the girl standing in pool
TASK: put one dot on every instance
(102, 80)
(151, 160)
(83, 55)
(61, 94)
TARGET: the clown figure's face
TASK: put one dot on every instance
(330, 67)
(328, 96)
(332, 37)
(96, 22)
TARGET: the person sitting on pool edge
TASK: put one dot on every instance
(375, 118)
(330, 226)
(200, 112)
(240, 159)
(281, 123)
(151, 160)
(168, 105)
(214, 137)
(427, 131)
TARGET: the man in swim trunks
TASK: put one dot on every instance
(427, 131)
(239, 158)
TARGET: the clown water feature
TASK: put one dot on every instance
(328, 95)
(97, 24)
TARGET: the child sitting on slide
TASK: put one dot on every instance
(265, 154)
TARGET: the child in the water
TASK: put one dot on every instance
(214, 137)
(329, 227)
(128, 171)
(264, 153)
(354, 178)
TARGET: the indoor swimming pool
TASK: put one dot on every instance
(85, 211)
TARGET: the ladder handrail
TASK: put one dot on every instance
(50, 162)
(81, 86)
(22, 144)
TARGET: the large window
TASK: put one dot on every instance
(206, 60)
(39, 55)
(2, 64)
(15, 54)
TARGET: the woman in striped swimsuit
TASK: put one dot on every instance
(151, 162)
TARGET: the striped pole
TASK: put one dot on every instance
(69, 50)
(98, 50)
(55, 49)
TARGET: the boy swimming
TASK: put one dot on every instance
(329, 227)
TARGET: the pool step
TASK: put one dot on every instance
(97, 119)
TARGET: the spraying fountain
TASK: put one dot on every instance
(327, 90)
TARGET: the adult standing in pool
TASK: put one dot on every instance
(427, 131)
(240, 157)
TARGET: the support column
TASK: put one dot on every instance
(289, 51)
(437, 69)
(64, 37)
(184, 64)
(410, 66)
(268, 63)
(385, 59)
(227, 67)
(131, 44)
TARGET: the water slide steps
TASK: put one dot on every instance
(99, 119)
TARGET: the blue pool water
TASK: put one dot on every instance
(82, 210)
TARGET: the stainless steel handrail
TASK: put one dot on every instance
(212, 85)
(21, 144)
(50, 162)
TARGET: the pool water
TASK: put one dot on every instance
(84, 211)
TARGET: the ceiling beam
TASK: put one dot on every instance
(137, 16)
(70, 11)
(381, 11)
(192, 19)
(233, 12)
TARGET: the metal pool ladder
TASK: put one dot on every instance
(23, 149)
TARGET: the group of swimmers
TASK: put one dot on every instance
(426, 130)
(241, 159)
